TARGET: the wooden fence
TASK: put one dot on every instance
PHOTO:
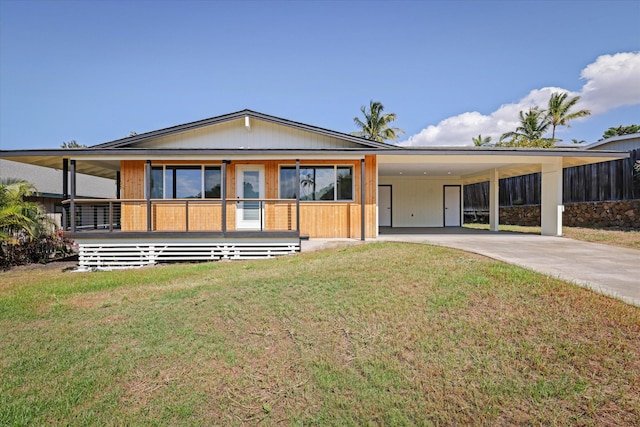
(612, 180)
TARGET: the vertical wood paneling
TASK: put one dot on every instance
(205, 217)
(133, 215)
(169, 216)
(317, 219)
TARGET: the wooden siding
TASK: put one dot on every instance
(317, 219)
(234, 134)
(134, 215)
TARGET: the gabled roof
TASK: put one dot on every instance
(131, 140)
(633, 136)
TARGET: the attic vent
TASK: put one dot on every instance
(247, 123)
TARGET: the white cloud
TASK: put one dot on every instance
(611, 81)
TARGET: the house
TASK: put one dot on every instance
(247, 184)
(617, 143)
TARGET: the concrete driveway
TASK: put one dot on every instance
(607, 269)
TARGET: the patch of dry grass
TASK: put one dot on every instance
(615, 237)
(392, 334)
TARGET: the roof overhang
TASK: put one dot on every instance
(474, 165)
(469, 164)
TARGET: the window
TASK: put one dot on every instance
(185, 182)
(317, 182)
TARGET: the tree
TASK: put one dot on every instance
(375, 126)
(619, 131)
(20, 219)
(533, 125)
(72, 144)
(558, 113)
(575, 141)
(479, 141)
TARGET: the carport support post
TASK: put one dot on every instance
(551, 198)
(494, 200)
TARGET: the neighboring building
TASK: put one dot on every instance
(248, 184)
(617, 143)
(48, 182)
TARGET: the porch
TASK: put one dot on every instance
(173, 230)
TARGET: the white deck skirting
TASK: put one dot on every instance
(112, 255)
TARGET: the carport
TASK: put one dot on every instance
(422, 187)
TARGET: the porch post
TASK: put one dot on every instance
(494, 200)
(223, 194)
(362, 195)
(72, 196)
(65, 190)
(117, 184)
(298, 195)
(147, 177)
(551, 207)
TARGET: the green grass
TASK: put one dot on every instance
(623, 238)
(387, 334)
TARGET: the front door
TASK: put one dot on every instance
(452, 206)
(384, 206)
(250, 185)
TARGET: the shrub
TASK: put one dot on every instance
(40, 250)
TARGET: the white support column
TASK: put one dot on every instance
(494, 200)
(551, 207)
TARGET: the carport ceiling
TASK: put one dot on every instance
(435, 169)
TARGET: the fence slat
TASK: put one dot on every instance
(589, 183)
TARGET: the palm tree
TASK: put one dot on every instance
(479, 141)
(558, 112)
(375, 126)
(19, 218)
(533, 125)
(619, 131)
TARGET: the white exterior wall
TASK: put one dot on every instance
(551, 207)
(418, 201)
(234, 134)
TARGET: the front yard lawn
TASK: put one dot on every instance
(383, 333)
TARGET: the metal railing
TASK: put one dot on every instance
(187, 215)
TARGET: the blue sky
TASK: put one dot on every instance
(93, 71)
